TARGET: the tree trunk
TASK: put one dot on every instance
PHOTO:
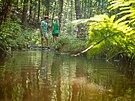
(31, 4)
(38, 9)
(4, 10)
(85, 9)
(71, 10)
(89, 8)
(17, 4)
(35, 9)
(24, 14)
(60, 13)
(54, 10)
(47, 5)
(78, 16)
(78, 9)
(82, 8)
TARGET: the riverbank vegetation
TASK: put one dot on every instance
(98, 28)
(117, 32)
(14, 37)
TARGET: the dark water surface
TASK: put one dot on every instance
(46, 76)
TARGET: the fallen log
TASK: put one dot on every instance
(91, 46)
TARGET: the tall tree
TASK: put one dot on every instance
(60, 12)
(35, 8)
(54, 8)
(6, 6)
(17, 2)
(78, 16)
(38, 9)
(85, 8)
(71, 10)
(47, 5)
(31, 6)
(24, 14)
(90, 8)
(78, 9)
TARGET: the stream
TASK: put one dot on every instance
(48, 76)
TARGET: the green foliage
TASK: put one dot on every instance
(8, 34)
(119, 39)
(127, 10)
(69, 43)
(121, 31)
(12, 35)
(30, 38)
(127, 19)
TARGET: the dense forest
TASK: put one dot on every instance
(95, 28)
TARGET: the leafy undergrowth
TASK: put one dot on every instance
(12, 36)
(68, 43)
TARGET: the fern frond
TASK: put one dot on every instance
(127, 10)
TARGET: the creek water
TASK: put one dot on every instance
(48, 76)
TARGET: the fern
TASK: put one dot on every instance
(127, 10)
(127, 21)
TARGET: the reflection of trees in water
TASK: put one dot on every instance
(63, 79)
(10, 85)
(127, 72)
(56, 77)
(44, 79)
(81, 68)
(36, 82)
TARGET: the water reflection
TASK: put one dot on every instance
(46, 76)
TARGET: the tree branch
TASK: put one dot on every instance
(91, 46)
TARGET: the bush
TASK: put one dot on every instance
(9, 31)
(69, 43)
(12, 35)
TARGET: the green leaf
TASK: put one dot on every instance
(112, 18)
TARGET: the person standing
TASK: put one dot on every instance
(55, 29)
(44, 34)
